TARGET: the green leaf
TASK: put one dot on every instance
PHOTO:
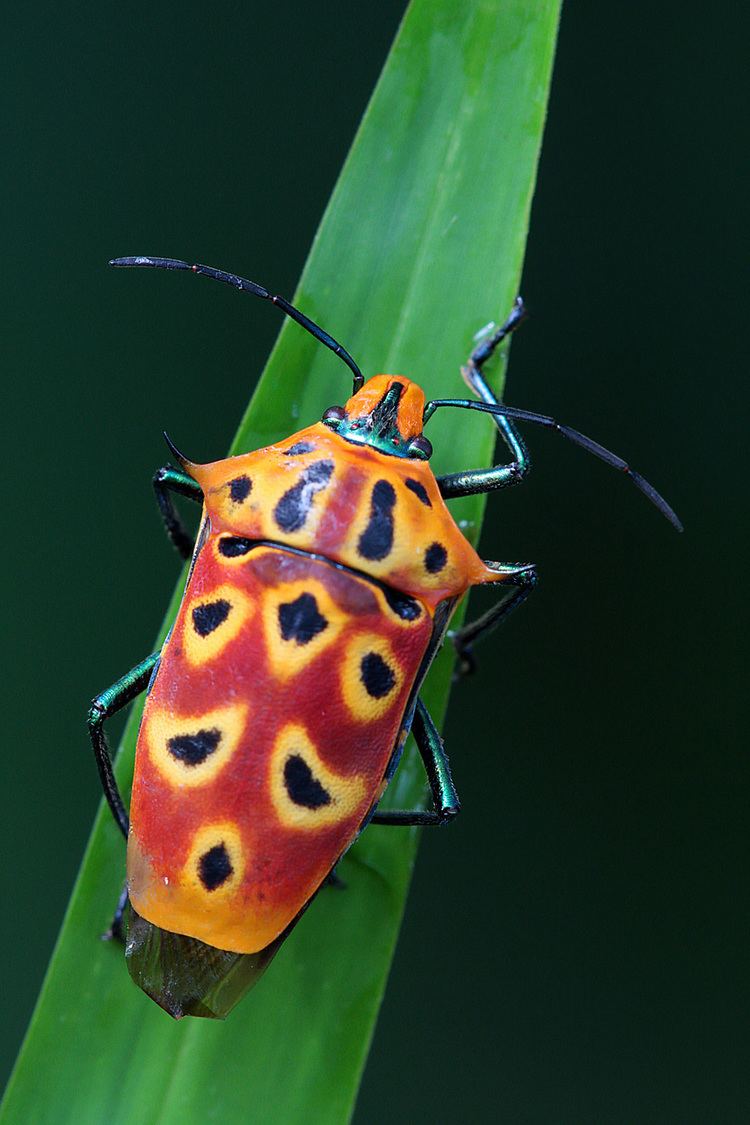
(421, 245)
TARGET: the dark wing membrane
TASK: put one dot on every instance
(185, 976)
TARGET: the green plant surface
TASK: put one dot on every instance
(421, 245)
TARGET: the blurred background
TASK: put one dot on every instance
(588, 913)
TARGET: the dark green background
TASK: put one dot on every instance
(575, 946)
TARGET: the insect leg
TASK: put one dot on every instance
(499, 476)
(523, 579)
(106, 704)
(166, 481)
(444, 795)
(116, 931)
(333, 879)
(486, 480)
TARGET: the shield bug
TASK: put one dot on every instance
(323, 579)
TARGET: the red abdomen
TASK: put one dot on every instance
(276, 708)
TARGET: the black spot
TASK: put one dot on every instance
(419, 491)
(435, 558)
(209, 616)
(302, 787)
(407, 608)
(385, 415)
(291, 511)
(193, 749)
(214, 867)
(376, 540)
(300, 620)
(299, 448)
(377, 676)
(231, 547)
(240, 488)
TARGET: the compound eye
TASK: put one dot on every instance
(333, 416)
(421, 448)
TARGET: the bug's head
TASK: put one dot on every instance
(385, 414)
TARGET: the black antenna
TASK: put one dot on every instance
(258, 291)
(577, 438)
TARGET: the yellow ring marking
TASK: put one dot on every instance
(345, 794)
(362, 704)
(210, 836)
(403, 622)
(227, 561)
(288, 657)
(161, 726)
(200, 649)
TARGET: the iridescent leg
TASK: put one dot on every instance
(499, 476)
(444, 795)
(106, 704)
(166, 481)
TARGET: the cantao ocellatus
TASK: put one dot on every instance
(322, 583)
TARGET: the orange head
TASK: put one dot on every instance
(385, 414)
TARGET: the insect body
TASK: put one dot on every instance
(322, 583)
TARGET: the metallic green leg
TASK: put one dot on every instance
(444, 795)
(486, 480)
(167, 481)
(106, 704)
(523, 579)
(499, 476)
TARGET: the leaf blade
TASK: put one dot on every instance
(421, 243)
